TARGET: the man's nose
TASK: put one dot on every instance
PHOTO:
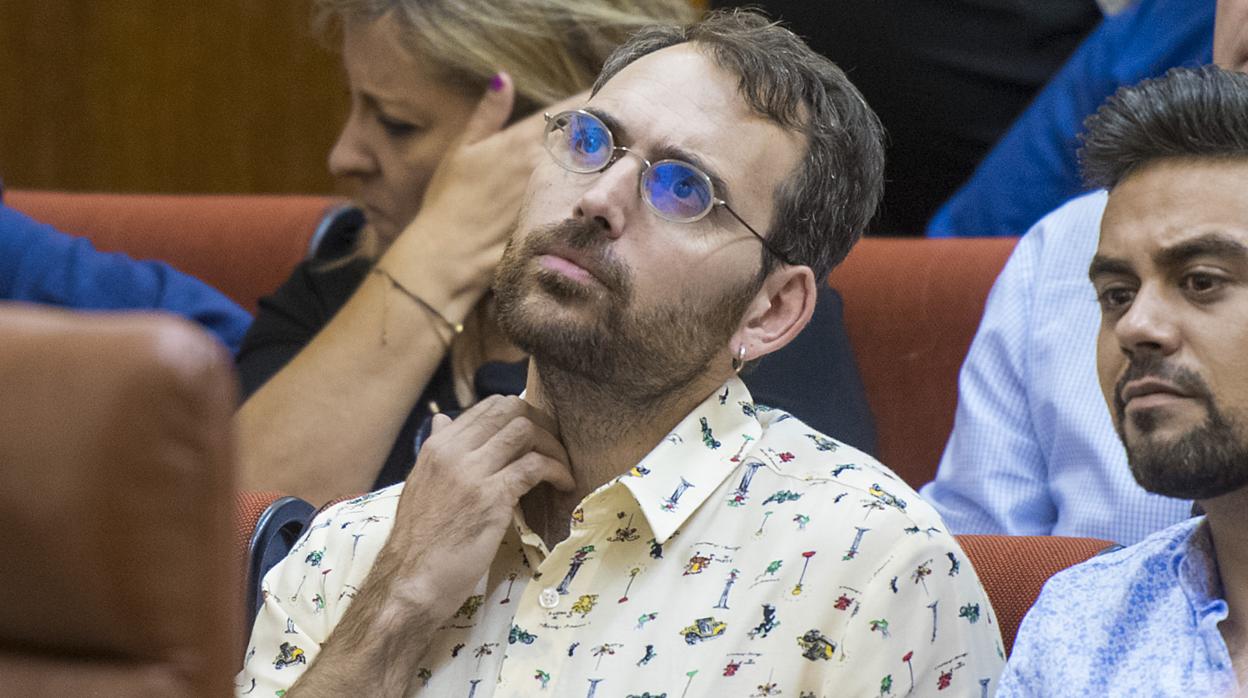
(613, 195)
(1149, 324)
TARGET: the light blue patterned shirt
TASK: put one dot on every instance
(1139, 621)
(1033, 451)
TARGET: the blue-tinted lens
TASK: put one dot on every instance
(677, 191)
(588, 142)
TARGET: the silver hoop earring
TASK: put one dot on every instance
(738, 361)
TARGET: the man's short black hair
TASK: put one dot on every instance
(1187, 113)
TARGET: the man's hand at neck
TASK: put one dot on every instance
(456, 505)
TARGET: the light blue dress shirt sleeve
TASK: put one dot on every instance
(1033, 450)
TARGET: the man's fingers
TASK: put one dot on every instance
(438, 423)
(526, 472)
(492, 111)
(517, 437)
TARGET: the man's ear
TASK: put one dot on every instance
(779, 312)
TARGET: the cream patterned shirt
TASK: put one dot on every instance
(746, 555)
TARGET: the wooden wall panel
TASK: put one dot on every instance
(151, 95)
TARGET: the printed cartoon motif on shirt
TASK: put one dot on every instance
(703, 629)
(845, 601)
(579, 558)
(886, 497)
(797, 588)
(632, 576)
(469, 608)
(769, 622)
(782, 496)
(670, 503)
(954, 565)
(815, 646)
(970, 612)
(708, 437)
(520, 635)
(607, 649)
(801, 520)
(853, 547)
(625, 534)
(822, 442)
(723, 597)
(289, 655)
(585, 604)
(697, 564)
(742, 493)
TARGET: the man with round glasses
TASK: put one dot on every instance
(635, 525)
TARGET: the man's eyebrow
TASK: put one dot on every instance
(613, 125)
(664, 151)
(671, 151)
(1107, 265)
(1211, 244)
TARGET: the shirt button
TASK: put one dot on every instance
(549, 598)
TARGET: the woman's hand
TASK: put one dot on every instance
(471, 204)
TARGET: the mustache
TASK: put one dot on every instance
(586, 237)
(1152, 364)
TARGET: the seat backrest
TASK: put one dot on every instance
(912, 306)
(244, 245)
(115, 496)
(266, 526)
(1013, 569)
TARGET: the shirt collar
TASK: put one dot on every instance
(1196, 567)
(688, 465)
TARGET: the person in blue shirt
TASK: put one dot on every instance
(1032, 169)
(1032, 452)
(1167, 616)
(39, 264)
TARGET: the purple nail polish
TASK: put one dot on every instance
(496, 83)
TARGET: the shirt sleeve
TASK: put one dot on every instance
(39, 264)
(923, 626)
(992, 476)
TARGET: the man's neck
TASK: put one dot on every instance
(1230, 542)
(605, 432)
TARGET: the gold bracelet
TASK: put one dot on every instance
(455, 327)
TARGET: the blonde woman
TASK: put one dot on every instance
(347, 358)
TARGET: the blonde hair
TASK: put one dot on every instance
(550, 48)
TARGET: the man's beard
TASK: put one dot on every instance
(1208, 461)
(640, 355)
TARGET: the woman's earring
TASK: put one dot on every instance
(738, 361)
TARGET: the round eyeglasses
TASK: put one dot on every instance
(675, 190)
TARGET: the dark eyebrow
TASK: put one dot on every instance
(1108, 265)
(664, 151)
(1212, 245)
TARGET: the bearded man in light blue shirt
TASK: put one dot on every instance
(1032, 450)
(1169, 615)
